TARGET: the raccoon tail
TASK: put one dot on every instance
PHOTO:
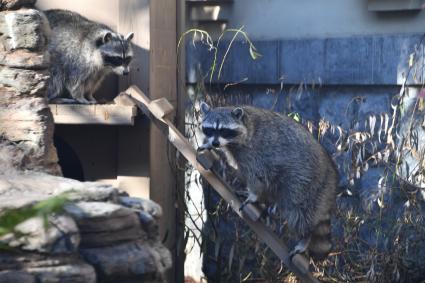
(321, 244)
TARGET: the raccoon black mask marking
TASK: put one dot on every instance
(115, 50)
(221, 129)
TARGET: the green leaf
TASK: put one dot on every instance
(253, 52)
(9, 219)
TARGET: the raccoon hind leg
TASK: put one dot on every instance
(55, 87)
(91, 98)
(77, 93)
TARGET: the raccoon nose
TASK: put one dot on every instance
(125, 72)
(215, 143)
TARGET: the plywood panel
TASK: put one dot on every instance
(133, 158)
(134, 17)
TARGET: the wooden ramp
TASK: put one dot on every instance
(158, 112)
(119, 113)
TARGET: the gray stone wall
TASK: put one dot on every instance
(25, 119)
(337, 87)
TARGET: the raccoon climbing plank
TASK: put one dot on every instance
(297, 264)
(281, 164)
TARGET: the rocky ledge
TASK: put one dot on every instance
(102, 235)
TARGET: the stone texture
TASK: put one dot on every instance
(23, 29)
(24, 59)
(25, 118)
(112, 237)
(75, 273)
(23, 81)
(128, 260)
(15, 4)
(145, 205)
(105, 224)
(101, 217)
(18, 189)
(16, 276)
(61, 236)
(48, 268)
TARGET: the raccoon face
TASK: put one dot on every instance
(116, 52)
(222, 126)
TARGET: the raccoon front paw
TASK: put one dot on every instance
(300, 248)
(252, 198)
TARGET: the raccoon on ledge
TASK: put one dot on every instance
(82, 53)
(281, 163)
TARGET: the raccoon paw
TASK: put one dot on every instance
(300, 248)
(252, 198)
(81, 100)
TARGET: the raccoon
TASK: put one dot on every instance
(82, 53)
(282, 164)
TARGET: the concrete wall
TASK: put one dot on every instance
(271, 19)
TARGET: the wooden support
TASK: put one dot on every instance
(299, 264)
(104, 114)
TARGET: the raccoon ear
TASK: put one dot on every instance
(205, 108)
(129, 36)
(107, 37)
(237, 113)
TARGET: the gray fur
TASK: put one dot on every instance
(81, 52)
(281, 163)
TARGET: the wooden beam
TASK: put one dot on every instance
(163, 84)
(97, 114)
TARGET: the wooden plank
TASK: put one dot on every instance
(180, 122)
(109, 114)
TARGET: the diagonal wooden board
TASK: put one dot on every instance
(158, 111)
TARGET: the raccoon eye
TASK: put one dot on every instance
(113, 60)
(208, 131)
(228, 133)
(127, 60)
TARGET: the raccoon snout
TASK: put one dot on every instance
(215, 143)
(125, 72)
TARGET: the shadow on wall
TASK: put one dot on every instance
(68, 160)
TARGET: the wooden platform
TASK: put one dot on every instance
(103, 114)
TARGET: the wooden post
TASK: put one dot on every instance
(180, 123)
(163, 84)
